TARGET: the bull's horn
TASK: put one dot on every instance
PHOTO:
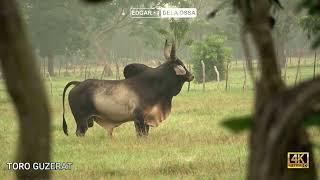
(166, 50)
(173, 51)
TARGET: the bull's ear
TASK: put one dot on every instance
(173, 52)
(179, 70)
(166, 50)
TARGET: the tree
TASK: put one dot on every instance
(26, 90)
(54, 28)
(279, 112)
(176, 31)
(313, 8)
(212, 52)
(311, 25)
(104, 21)
(185, 31)
(285, 28)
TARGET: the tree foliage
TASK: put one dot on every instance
(212, 52)
(311, 25)
(54, 30)
(313, 8)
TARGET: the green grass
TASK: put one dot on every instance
(190, 144)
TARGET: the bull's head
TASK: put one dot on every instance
(177, 65)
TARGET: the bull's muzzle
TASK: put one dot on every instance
(190, 78)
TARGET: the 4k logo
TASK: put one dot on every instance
(298, 159)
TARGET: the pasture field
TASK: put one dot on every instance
(190, 144)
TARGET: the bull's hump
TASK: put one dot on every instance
(117, 103)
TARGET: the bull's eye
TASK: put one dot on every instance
(179, 70)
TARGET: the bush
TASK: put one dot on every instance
(213, 53)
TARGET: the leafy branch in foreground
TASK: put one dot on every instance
(239, 124)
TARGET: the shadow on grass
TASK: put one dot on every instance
(177, 168)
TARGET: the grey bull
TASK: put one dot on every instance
(144, 98)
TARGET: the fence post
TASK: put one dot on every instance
(44, 66)
(50, 83)
(117, 71)
(189, 67)
(66, 67)
(85, 71)
(244, 87)
(290, 55)
(89, 71)
(285, 70)
(298, 69)
(60, 65)
(103, 71)
(96, 70)
(74, 69)
(217, 73)
(314, 64)
(203, 75)
(227, 76)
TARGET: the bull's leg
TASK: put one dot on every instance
(137, 127)
(81, 117)
(90, 122)
(82, 126)
(110, 130)
(138, 130)
(139, 123)
(81, 130)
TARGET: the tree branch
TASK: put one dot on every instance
(26, 90)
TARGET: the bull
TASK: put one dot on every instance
(144, 98)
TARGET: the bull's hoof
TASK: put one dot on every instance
(90, 123)
(80, 134)
(140, 135)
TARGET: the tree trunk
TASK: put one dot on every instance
(279, 111)
(50, 65)
(26, 90)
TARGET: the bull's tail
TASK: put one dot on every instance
(64, 123)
